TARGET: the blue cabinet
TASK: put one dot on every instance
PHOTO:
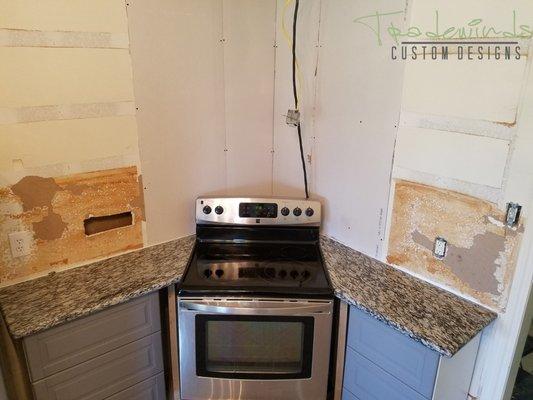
(365, 380)
(382, 363)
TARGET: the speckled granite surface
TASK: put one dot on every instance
(434, 317)
(42, 303)
(438, 319)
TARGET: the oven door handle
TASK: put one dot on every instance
(240, 309)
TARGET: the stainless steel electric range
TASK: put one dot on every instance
(255, 306)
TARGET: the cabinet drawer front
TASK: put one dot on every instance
(107, 374)
(404, 358)
(75, 342)
(150, 389)
(366, 381)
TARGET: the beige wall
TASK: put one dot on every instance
(67, 109)
(458, 127)
(462, 152)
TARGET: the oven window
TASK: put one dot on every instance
(254, 347)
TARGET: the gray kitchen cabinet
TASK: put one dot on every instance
(67, 345)
(109, 354)
(382, 363)
(105, 375)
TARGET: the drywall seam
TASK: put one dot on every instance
(519, 110)
(313, 145)
(65, 111)
(274, 100)
(222, 42)
(35, 38)
(472, 189)
(497, 130)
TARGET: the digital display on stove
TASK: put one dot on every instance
(258, 210)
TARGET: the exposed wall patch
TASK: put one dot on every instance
(139, 200)
(50, 228)
(54, 209)
(481, 252)
(94, 225)
(35, 191)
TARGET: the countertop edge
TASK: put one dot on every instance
(400, 328)
(85, 312)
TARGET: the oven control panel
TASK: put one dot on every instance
(257, 211)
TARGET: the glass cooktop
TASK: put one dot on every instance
(256, 267)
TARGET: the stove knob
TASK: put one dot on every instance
(306, 274)
(219, 210)
(219, 273)
(282, 274)
(207, 272)
(207, 210)
(294, 274)
(297, 211)
(309, 212)
(285, 211)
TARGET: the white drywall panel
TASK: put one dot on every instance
(475, 159)
(64, 15)
(248, 31)
(287, 172)
(66, 141)
(484, 90)
(357, 111)
(48, 76)
(177, 58)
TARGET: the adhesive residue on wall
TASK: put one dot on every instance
(481, 251)
(54, 211)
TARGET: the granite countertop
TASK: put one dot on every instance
(440, 320)
(32, 306)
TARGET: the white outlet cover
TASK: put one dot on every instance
(20, 243)
(439, 248)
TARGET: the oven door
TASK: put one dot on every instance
(254, 348)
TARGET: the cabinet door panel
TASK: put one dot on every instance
(409, 361)
(367, 381)
(107, 374)
(150, 389)
(346, 395)
(75, 342)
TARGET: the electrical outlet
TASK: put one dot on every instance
(439, 248)
(513, 214)
(20, 243)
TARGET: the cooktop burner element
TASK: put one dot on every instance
(244, 256)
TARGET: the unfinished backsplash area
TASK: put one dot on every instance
(481, 249)
(70, 219)
(70, 182)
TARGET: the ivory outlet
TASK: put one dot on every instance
(20, 243)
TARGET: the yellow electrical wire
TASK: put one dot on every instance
(288, 38)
